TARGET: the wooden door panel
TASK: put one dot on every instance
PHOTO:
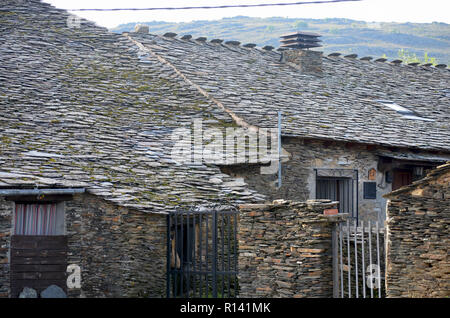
(401, 178)
(37, 262)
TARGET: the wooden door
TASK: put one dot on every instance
(401, 178)
(38, 262)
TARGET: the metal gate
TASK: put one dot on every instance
(202, 254)
(359, 260)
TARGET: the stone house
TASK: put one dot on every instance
(89, 120)
(352, 129)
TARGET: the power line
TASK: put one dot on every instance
(217, 7)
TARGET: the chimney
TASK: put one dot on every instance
(141, 28)
(295, 49)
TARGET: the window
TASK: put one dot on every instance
(38, 219)
(407, 113)
(338, 185)
(370, 190)
(336, 189)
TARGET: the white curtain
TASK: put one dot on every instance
(35, 219)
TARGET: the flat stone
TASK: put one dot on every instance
(53, 291)
(141, 28)
(234, 43)
(170, 35)
(268, 48)
(28, 292)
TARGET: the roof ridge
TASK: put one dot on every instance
(252, 47)
(393, 63)
(202, 40)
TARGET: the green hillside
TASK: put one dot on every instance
(338, 35)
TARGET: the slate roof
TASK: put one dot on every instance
(83, 107)
(341, 103)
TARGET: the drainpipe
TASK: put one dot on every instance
(279, 149)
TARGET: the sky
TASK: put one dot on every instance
(421, 11)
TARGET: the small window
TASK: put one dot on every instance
(370, 190)
(336, 189)
(38, 219)
(407, 113)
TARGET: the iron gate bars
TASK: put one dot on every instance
(359, 259)
(202, 254)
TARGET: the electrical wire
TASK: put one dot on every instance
(217, 7)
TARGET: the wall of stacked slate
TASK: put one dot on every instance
(121, 252)
(418, 240)
(285, 250)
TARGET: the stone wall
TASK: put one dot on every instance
(121, 252)
(418, 238)
(298, 174)
(6, 208)
(285, 249)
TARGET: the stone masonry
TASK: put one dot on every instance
(298, 174)
(6, 208)
(307, 61)
(121, 252)
(285, 249)
(418, 241)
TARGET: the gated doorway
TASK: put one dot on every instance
(202, 254)
(359, 260)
